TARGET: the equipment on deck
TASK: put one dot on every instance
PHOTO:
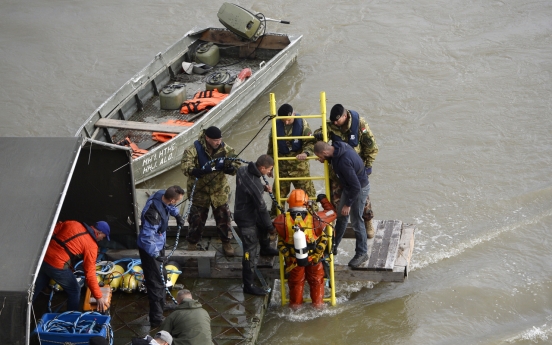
(172, 96)
(89, 303)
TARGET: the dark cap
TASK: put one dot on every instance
(213, 132)
(285, 110)
(336, 112)
(103, 227)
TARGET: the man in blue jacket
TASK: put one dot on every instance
(351, 173)
(151, 245)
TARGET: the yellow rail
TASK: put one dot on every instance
(280, 199)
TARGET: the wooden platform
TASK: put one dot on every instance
(390, 252)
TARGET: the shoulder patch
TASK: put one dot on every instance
(364, 130)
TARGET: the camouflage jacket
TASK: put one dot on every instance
(367, 148)
(213, 188)
(294, 168)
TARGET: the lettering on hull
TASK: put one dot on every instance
(160, 157)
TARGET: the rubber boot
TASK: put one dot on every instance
(248, 281)
(296, 283)
(369, 229)
(315, 277)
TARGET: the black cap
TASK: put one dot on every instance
(285, 110)
(336, 112)
(213, 132)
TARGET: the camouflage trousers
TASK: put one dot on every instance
(337, 189)
(285, 188)
(198, 217)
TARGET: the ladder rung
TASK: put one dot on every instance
(295, 137)
(301, 178)
(293, 158)
(300, 117)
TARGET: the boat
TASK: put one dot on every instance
(133, 115)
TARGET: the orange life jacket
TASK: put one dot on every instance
(163, 137)
(136, 151)
(202, 100)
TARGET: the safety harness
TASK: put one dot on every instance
(297, 130)
(73, 258)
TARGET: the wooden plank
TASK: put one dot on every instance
(377, 246)
(393, 245)
(179, 256)
(140, 126)
(406, 247)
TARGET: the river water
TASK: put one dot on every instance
(457, 93)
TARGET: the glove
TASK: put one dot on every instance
(320, 197)
(229, 170)
(318, 136)
(198, 172)
(179, 221)
(368, 170)
(161, 258)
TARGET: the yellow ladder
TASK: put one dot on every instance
(280, 199)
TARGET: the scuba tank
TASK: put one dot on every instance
(173, 271)
(300, 244)
(132, 279)
(114, 278)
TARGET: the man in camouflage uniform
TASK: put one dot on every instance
(347, 125)
(212, 188)
(297, 148)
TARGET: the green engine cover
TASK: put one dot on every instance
(239, 20)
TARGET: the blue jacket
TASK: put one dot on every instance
(349, 169)
(155, 220)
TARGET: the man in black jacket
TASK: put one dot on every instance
(252, 217)
(351, 173)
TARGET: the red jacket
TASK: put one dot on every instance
(84, 245)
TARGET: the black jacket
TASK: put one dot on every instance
(249, 206)
(349, 169)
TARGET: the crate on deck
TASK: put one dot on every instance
(49, 337)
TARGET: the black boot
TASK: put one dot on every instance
(268, 251)
(248, 279)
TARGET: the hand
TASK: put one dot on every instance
(320, 197)
(102, 304)
(229, 170)
(368, 170)
(161, 258)
(267, 188)
(302, 156)
(321, 160)
(345, 210)
(318, 136)
(272, 231)
(198, 172)
(179, 221)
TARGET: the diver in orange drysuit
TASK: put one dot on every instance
(307, 262)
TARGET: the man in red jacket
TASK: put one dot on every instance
(71, 242)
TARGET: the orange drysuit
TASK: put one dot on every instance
(313, 227)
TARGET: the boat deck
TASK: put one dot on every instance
(151, 112)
